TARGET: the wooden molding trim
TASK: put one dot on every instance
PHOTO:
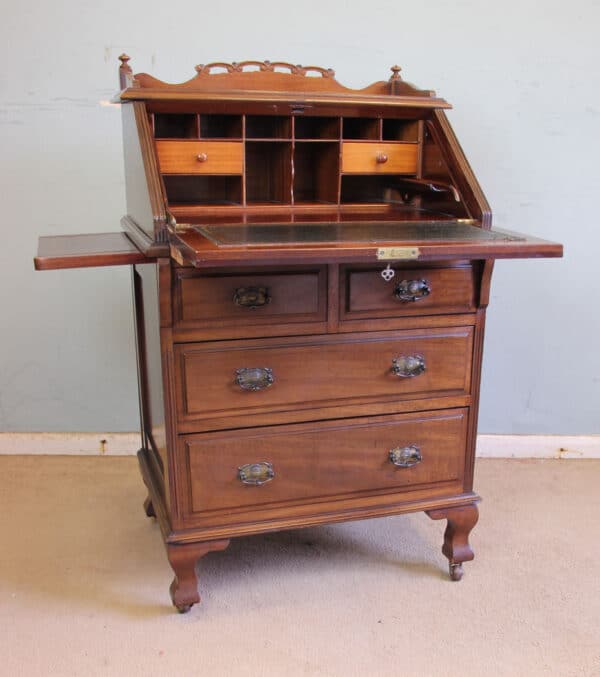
(251, 80)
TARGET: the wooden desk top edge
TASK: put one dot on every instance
(57, 252)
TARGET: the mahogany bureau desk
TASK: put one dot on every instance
(311, 270)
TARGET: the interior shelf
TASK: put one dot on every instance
(268, 127)
(268, 172)
(400, 130)
(317, 128)
(220, 126)
(363, 188)
(175, 126)
(208, 189)
(361, 128)
(316, 172)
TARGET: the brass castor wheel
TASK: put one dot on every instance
(149, 508)
(456, 571)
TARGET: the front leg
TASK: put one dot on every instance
(183, 558)
(456, 537)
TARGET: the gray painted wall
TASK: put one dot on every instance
(523, 77)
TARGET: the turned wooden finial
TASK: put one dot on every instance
(395, 80)
(125, 72)
(395, 73)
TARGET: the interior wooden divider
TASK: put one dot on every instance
(286, 159)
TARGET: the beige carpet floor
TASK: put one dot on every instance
(84, 584)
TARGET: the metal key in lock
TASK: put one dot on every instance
(388, 273)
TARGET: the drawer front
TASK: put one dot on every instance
(261, 466)
(244, 299)
(379, 158)
(200, 157)
(228, 378)
(412, 291)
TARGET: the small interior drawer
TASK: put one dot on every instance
(200, 157)
(379, 158)
(412, 291)
(262, 466)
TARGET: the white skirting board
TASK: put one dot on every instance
(124, 444)
(538, 446)
(71, 444)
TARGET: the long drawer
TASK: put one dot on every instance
(254, 377)
(263, 466)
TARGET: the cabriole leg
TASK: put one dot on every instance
(183, 558)
(456, 537)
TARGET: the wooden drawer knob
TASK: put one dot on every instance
(381, 158)
(202, 157)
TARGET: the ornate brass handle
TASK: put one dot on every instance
(256, 473)
(202, 157)
(408, 366)
(406, 457)
(409, 291)
(252, 297)
(254, 378)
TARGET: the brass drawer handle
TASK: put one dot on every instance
(251, 297)
(408, 366)
(409, 291)
(254, 378)
(256, 473)
(202, 157)
(381, 158)
(406, 457)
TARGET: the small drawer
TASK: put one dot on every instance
(261, 467)
(200, 157)
(412, 291)
(379, 158)
(234, 304)
(256, 378)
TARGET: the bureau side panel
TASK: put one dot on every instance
(485, 271)
(146, 215)
(152, 399)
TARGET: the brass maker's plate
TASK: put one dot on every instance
(393, 233)
(397, 253)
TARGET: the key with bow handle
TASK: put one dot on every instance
(388, 273)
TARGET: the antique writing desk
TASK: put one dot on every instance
(311, 268)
